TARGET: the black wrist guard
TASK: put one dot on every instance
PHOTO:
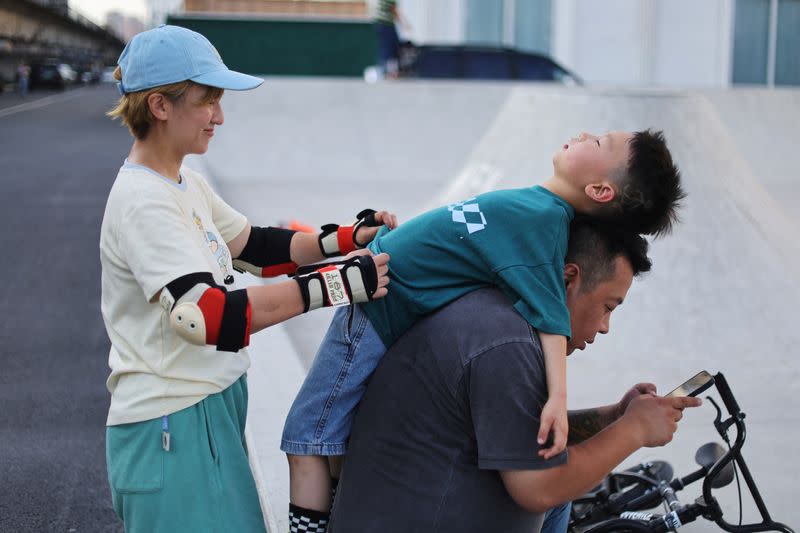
(335, 240)
(338, 283)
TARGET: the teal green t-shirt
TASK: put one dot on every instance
(515, 239)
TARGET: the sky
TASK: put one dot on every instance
(96, 10)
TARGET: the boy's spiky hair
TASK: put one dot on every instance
(650, 189)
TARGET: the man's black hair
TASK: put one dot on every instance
(650, 189)
(594, 245)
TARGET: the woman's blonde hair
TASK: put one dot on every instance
(134, 111)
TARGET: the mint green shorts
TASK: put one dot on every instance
(203, 483)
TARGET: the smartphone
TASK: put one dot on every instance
(694, 385)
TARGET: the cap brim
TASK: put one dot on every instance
(229, 80)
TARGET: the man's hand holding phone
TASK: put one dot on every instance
(654, 419)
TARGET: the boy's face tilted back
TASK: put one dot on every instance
(589, 159)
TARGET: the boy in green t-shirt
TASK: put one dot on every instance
(515, 239)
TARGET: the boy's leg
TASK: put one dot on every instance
(309, 482)
(318, 423)
(202, 483)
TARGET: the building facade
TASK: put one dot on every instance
(650, 43)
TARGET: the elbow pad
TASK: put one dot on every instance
(338, 240)
(266, 253)
(338, 283)
(202, 312)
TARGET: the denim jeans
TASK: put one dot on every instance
(321, 416)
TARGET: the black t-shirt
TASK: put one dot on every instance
(452, 402)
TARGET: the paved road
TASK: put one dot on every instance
(57, 164)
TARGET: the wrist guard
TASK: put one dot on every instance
(266, 253)
(335, 240)
(338, 283)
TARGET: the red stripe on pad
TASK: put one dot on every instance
(212, 304)
(344, 237)
(278, 270)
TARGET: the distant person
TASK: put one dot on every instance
(442, 439)
(386, 18)
(175, 449)
(514, 239)
(23, 78)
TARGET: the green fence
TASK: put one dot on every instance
(288, 47)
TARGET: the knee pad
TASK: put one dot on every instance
(266, 253)
(338, 283)
(202, 312)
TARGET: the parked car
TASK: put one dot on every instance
(89, 75)
(481, 62)
(51, 75)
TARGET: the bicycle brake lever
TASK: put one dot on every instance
(722, 427)
(718, 418)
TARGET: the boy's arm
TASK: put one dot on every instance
(555, 360)
(554, 348)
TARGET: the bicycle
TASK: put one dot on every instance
(621, 502)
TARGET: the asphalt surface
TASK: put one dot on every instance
(57, 163)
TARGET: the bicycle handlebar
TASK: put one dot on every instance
(708, 505)
(726, 394)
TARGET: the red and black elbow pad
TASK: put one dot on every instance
(202, 312)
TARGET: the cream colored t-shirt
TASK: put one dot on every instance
(154, 231)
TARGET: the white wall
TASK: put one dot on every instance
(433, 21)
(694, 43)
(645, 42)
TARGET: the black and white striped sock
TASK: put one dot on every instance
(302, 520)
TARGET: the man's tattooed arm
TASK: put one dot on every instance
(586, 423)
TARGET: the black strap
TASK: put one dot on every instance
(180, 286)
(303, 281)
(233, 329)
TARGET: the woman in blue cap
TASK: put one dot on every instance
(175, 447)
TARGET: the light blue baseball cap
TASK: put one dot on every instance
(171, 54)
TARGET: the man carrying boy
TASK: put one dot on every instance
(513, 239)
(456, 453)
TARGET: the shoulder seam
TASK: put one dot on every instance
(499, 344)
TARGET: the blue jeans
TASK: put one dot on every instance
(556, 519)
(321, 417)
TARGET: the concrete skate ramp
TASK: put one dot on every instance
(723, 289)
